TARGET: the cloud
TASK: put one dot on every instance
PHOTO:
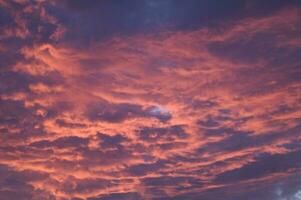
(63, 142)
(262, 167)
(115, 196)
(151, 134)
(107, 141)
(119, 112)
(150, 100)
(14, 184)
(145, 168)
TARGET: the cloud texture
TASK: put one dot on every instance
(150, 100)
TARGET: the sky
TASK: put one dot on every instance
(150, 100)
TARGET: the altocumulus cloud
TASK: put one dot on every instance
(150, 100)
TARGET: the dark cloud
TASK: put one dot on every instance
(144, 169)
(63, 142)
(203, 104)
(250, 50)
(119, 196)
(165, 181)
(15, 115)
(283, 188)
(115, 113)
(79, 5)
(73, 185)
(14, 185)
(151, 134)
(100, 157)
(210, 122)
(12, 112)
(236, 141)
(264, 166)
(107, 141)
(143, 16)
(63, 123)
(15, 82)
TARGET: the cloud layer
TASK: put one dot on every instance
(150, 100)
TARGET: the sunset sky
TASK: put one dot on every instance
(150, 100)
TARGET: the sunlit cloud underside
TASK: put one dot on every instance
(150, 100)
